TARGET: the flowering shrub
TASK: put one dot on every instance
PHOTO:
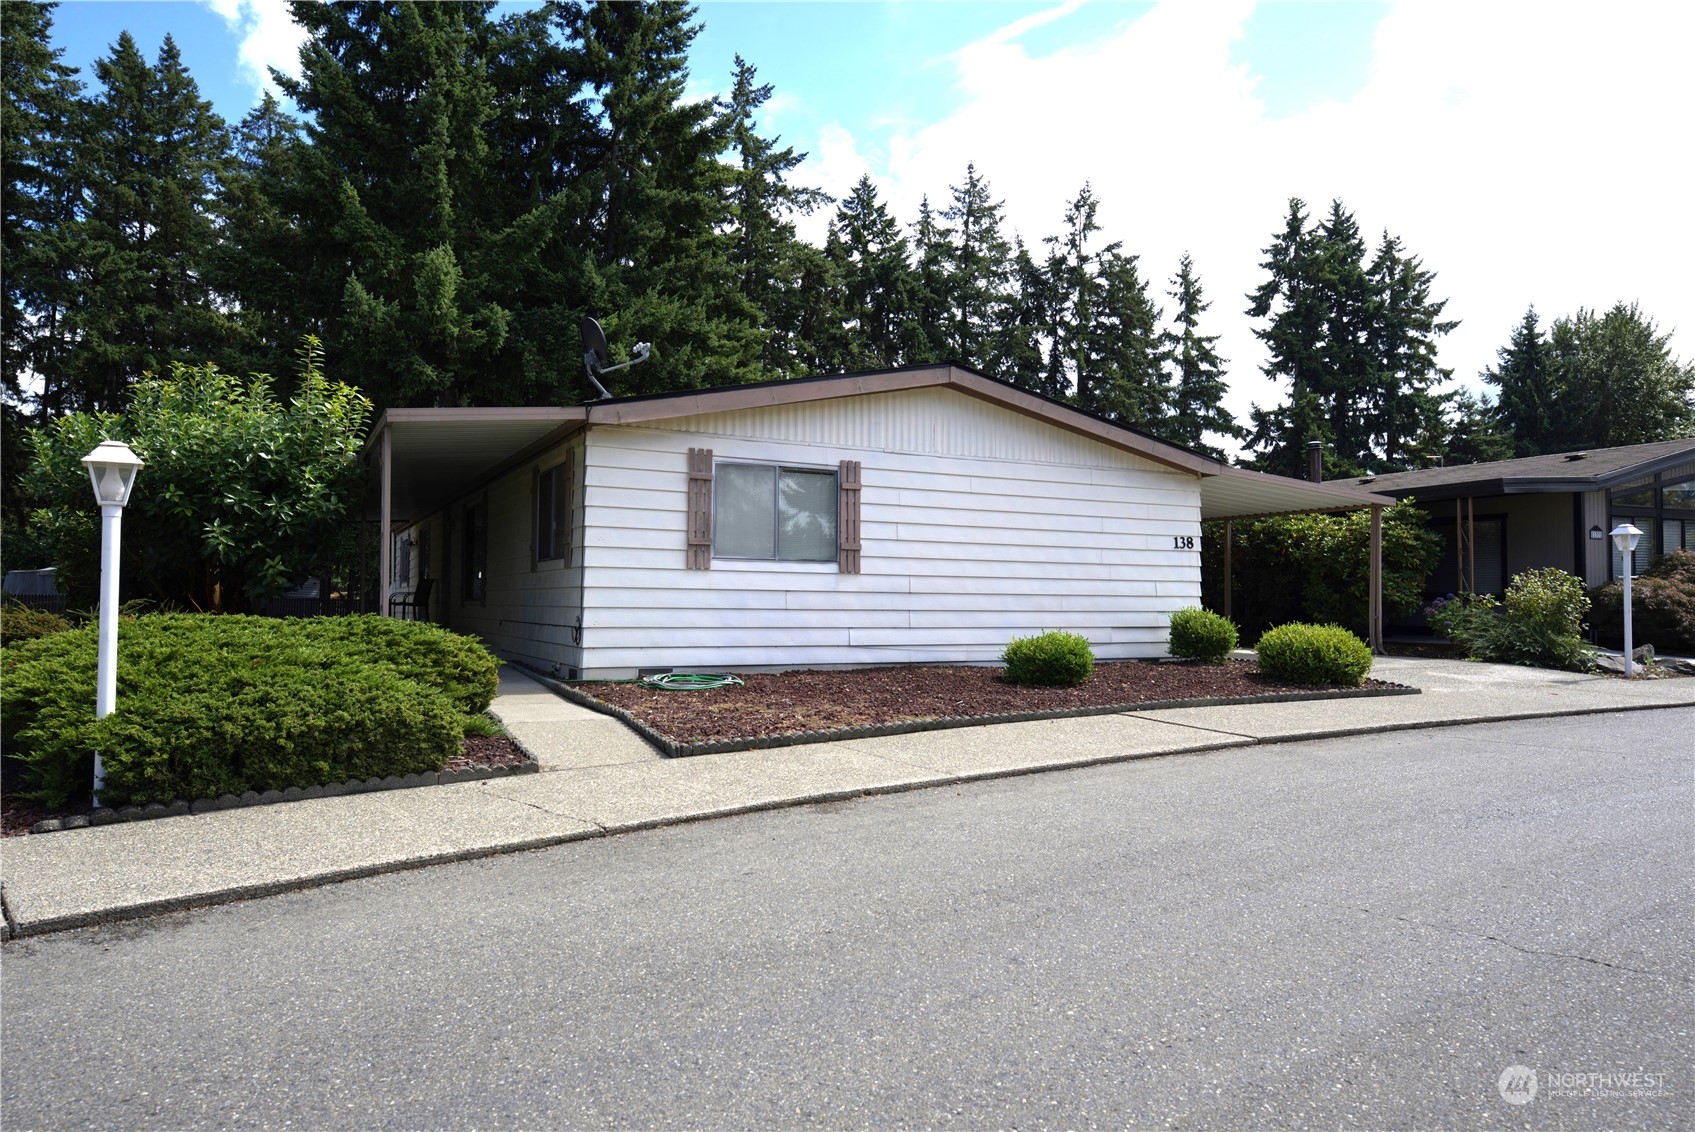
(1539, 625)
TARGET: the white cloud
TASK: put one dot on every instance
(269, 38)
(1527, 152)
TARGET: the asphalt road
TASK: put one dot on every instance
(1363, 932)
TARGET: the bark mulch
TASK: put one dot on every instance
(772, 704)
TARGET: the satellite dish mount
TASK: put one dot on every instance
(596, 354)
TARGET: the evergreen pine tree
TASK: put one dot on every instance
(1294, 337)
(767, 255)
(1524, 405)
(660, 220)
(978, 263)
(149, 156)
(38, 114)
(932, 304)
(871, 257)
(1398, 403)
(1074, 268)
(1021, 345)
(1198, 400)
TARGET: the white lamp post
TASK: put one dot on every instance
(1624, 537)
(111, 468)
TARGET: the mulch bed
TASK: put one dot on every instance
(474, 751)
(771, 704)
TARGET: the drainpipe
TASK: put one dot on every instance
(1315, 461)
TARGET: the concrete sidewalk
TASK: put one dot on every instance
(599, 778)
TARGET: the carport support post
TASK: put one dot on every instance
(1374, 598)
(383, 579)
(1227, 578)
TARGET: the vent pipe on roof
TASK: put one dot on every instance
(1315, 461)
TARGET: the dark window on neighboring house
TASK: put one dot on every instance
(1663, 510)
(1489, 553)
(553, 514)
(476, 550)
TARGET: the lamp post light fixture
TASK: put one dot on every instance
(111, 468)
(1625, 537)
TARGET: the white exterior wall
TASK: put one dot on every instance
(529, 609)
(978, 524)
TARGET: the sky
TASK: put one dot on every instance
(1527, 153)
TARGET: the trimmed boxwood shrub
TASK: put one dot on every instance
(1199, 634)
(211, 705)
(1055, 659)
(1314, 654)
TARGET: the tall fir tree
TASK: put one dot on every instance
(1525, 403)
(1356, 342)
(1399, 401)
(660, 220)
(873, 263)
(767, 256)
(1074, 268)
(978, 266)
(39, 108)
(150, 153)
(1197, 404)
(1022, 349)
(931, 300)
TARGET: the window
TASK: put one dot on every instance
(553, 514)
(773, 512)
(476, 550)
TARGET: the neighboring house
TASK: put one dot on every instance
(1503, 518)
(924, 514)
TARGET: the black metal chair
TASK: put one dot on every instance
(414, 606)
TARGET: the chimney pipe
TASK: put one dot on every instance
(1315, 461)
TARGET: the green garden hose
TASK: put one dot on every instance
(689, 681)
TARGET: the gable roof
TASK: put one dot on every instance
(440, 454)
(1584, 470)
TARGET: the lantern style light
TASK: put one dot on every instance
(111, 468)
(1625, 538)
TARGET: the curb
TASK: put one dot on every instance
(183, 807)
(671, 748)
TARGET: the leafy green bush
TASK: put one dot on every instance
(1055, 659)
(210, 705)
(1318, 567)
(1202, 635)
(1539, 625)
(1314, 654)
(19, 622)
(1662, 600)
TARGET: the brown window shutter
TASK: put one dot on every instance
(847, 517)
(700, 509)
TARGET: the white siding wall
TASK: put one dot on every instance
(978, 524)
(529, 609)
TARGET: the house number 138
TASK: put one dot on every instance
(1182, 542)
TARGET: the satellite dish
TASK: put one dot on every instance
(594, 342)
(596, 354)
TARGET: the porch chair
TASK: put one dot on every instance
(414, 606)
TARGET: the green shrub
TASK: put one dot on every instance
(1201, 635)
(1314, 654)
(1540, 624)
(1662, 600)
(1055, 659)
(19, 622)
(210, 705)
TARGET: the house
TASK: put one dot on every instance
(921, 514)
(1502, 518)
